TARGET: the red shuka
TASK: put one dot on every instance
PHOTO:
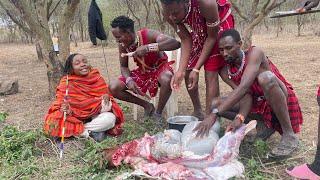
(261, 106)
(150, 66)
(85, 102)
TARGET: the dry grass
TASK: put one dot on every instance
(296, 57)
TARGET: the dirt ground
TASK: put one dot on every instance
(296, 57)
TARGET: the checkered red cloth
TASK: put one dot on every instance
(154, 64)
(197, 27)
(261, 106)
(318, 92)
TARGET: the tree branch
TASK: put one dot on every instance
(65, 24)
(27, 14)
(133, 14)
(146, 5)
(54, 8)
(237, 9)
(49, 3)
(15, 18)
(157, 10)
(254, 7)
(276, 3)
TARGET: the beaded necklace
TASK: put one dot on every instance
(240, 69)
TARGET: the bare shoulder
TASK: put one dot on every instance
(207, 3)
(256, 54)
(256, 50)
(152, 32)
(209, 9)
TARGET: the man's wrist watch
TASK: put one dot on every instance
(215, 111)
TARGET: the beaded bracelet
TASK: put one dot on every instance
(128, 79)
(153, 47)
(240, 117)
(213, 24)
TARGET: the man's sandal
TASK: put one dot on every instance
(283, 150)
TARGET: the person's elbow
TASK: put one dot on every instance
(244, 89)
(177, 44)
(124, 69)
(313, 4)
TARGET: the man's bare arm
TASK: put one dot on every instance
(209, 10)
(165, 42)
(124, 62)
(248, 77)
(306, 5)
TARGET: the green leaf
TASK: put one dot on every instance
(3, 116)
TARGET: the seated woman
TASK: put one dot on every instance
(90, 108)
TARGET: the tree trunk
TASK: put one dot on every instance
(80, 18)
(81, 31)
(259, 10)
(54, 66)
(299, 25)
(39, 52)
(65, 23)
(279, 26)
(247, 37)
(54, 31)
(73, 38)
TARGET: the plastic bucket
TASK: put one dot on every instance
(178, 122)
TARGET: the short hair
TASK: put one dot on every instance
(171, 1)
(68, 65)
(123, 22)
(233, 33)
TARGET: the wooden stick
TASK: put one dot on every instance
(130, 54)
(294, 14)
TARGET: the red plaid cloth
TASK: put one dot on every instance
(84, 97)
(318, 92)
(261, 106)
(148, 81)
(154, 63)
(196, 24)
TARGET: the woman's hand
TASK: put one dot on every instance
(106, 104)
(65, 108)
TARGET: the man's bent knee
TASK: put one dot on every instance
(267, 80)
(165, 78)
(115, 86)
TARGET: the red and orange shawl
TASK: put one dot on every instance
(85, 102)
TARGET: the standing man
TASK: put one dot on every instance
(198, 23)
(259, 92)
(153, 70)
